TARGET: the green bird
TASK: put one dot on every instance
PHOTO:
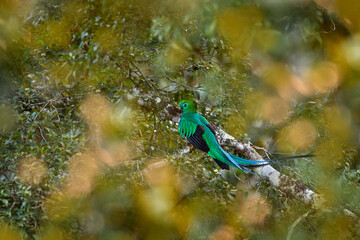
(201, 134)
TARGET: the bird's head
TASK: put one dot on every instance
(188, 106)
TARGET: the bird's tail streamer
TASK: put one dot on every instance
(250, 163)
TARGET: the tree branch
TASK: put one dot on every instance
(276, 179)
(283, 183)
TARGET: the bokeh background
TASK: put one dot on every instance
(87, 151)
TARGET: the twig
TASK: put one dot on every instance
(145, 79)
(42, 135)
(296, 222)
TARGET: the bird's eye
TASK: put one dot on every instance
(184, 105)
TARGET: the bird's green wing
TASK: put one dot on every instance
(187, 127)
(208, 124)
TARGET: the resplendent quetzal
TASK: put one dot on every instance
(201, 134)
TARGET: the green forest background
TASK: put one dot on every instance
(87, 150)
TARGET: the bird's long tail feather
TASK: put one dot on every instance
(243, 163)
(250, 163)
(291, 157)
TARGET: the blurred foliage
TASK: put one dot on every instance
(87, 154)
